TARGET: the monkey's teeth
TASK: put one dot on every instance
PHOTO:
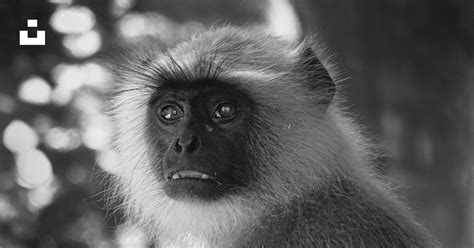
(188, 174)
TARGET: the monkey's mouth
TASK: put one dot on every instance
(189, 184)
(189, 174)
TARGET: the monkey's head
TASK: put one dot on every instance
(232, 117)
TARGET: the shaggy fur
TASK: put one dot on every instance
(315, 186)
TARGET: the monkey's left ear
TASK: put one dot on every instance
(318, 76)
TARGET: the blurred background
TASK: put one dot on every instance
(408, 70)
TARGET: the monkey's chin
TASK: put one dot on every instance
(193, 189)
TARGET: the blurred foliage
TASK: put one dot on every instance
(410, 68)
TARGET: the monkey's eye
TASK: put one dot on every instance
(171, 113)
(224, 112)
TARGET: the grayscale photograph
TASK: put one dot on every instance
(236, 124)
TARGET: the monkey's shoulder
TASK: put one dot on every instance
(341, 216)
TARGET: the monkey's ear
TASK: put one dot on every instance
(318, 76)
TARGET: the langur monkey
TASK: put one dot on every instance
(235, 138)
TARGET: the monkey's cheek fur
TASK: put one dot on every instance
(193, 189)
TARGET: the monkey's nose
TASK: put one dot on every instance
(189, 145)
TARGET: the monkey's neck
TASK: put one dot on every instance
(208, 225)
(339, 214)
(203, 240)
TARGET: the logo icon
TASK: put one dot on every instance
(38, 40)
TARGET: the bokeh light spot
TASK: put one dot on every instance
(19, 136)
(135, 25)
(33, 168)
(90, 106)
(7, 210)
(96, 137)
(83, 45)
(132, 25)
(107, 160)
(72, 20)
(35, 90)
(62, 139)
(283, 21)
(62, 95)
(119, 7)
(68, 75)
(77, 174)
(68, 78)
(42, 196)
(95, 75)
(7, 104)
(130, 236)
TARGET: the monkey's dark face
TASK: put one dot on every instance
(199, 129)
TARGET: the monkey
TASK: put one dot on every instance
(236, 138)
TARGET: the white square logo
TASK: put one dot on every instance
(38, 40)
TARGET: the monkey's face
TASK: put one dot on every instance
(199, 129)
